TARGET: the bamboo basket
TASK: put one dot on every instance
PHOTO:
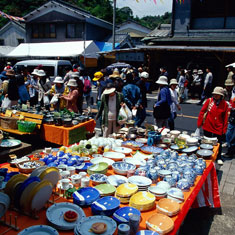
(9, 123)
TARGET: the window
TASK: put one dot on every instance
(74, 30)
(43, 31)
(61, 70)
(20, 40)
(2, 42)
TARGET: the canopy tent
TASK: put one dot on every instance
(106, 46)
(56, 49)
(233, 65)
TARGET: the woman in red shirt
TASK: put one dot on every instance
(216, 121)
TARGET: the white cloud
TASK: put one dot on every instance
(146, 7)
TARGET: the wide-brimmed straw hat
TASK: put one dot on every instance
(144, 75)
(109, 90)
(72, 82)
(229, 82)
(162, 80)
(58, 80)
(115, 74)
(195, 71)
(35, 72)
(218, 91)
(41, 73)
(10, 72)
(173, 81)
(97, 76)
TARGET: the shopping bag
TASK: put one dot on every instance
(46, 100)
(54, 99)
(197, 132)
(6, 103)
(124, 115)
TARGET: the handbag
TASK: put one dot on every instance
(205, 114)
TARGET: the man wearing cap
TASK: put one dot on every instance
(228, 89)
(111, 103)
(162, 110)
(142, 85)
(8, 66)
(213, 118)
(175, 103)
(72, 97)
(196, 84)
(58, 90)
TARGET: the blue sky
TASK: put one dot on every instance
(146, 7)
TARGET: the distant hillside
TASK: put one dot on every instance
(100, 8)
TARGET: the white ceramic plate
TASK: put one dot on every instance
(135, 161)
(139, 180)
(114, 155)
(122, 150)
(102, 159)
(39, 229)
(142, 140)
(116, 180)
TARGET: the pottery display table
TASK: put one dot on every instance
(67, 135)
(205, 192)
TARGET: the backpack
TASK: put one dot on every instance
(87, 85)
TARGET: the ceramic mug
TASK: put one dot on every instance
(62, 167)
(71, 169)
(85, 182)
(64, 174)
(82, 174)
(76, 179)
(65, 183)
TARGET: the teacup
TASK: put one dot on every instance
(85, 182)
(65, 183)
(64, 174)
(62, 167)
(48, 150)
(71, 169)
(76, 179)
(82, 174)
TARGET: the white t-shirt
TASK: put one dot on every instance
(112, 108)
(174, 98)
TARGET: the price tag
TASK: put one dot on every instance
(8, 113)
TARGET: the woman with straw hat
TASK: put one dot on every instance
(72, 97)
(213, 118)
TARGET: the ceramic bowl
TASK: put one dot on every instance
(98, 179)
(135, 161)
(163, 184)
(183, 184)
(168, 207)
(157, 191)
(206, 146)
(176, 193)
(123, 150)
(122, 167)
(116, 180)
(192, 141)
(99, 168)
(114, 156)
(102, 159)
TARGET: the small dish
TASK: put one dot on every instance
(116, 180)
(114, 156)
(122, 215)
(207, 146)
(168, 207)
(122, 167)
(205, 153)
(124, 150)
(98, 179)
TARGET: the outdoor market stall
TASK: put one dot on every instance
(205, 192)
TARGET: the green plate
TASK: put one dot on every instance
(9, 143)
(101, 167)
(105, 189)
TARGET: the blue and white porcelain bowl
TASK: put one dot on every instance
(183, 184)
(190, 179)
(176, 194)
(122, 168)
(98, 179)
(170, 180)
(176, 175)
(201, 162)
(199, 169)
(163, 184)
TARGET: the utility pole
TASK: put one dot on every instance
(114, 21)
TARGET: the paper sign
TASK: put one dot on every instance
(8, 113)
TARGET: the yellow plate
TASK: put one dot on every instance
(15, 179)
(142, 198)
(51, 174)
(126, 190)
(35, 190)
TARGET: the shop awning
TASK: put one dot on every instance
(56, 49)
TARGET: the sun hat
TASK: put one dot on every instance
(173, 81)
(200, 71)
(195, 71)
(41, 73)
(109, 89)
(58, 80)
(75, 75)
(218, 91)
(72, 82)
(115, 74)
(35, 72)
(8, 63)
(229, 82)
(162, 80)
(10, 72)
(97, 76)
(144, 75)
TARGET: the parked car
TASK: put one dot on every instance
(52, 68)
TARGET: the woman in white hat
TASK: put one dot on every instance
(57, 90)
(111, 102)
(175, 103)
(182, 80)
(213, 118)
(72, 97)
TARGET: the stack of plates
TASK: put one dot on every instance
(175, 194)
(143, 201)
(39, 229)
(99, 168)
(168, 207)
(142, 182)
(50, 174)
(105, 189)
(55, 215)
(122, 215)
(125, 191)
(160, 223)
(85, 196)
(84, 226)
(105, 206)
(4, 203)
(116, 180)
(158, 192)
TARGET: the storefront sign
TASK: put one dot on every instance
(130, 56)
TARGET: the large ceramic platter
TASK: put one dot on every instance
(55, 214)
(135, 161)
(39, 229)
(205, 152)
(9, 143)
(102, 159)
(190, 149)
(116, 180)
(106, 189)
(105, 203)
(114, 156)
(122, 215)
(132, 144)
(84, 226)
(147, 232)
(206, 146)
(139, 180)
(122, 150)
(151, 149)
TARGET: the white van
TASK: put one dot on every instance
(52, 68)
